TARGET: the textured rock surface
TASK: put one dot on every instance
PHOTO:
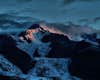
(41, 67)
(51, 56)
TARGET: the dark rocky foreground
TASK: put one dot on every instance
(65, 59)
(85, 56)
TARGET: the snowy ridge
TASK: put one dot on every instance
(66, 22)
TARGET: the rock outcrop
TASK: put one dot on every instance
(46, 56)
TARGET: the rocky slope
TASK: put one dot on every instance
(63, 56)
(51, 56)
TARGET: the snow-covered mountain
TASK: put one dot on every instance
(50, 54)
(70, 28)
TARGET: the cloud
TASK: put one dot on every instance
(71, 1)
(23, 1)
(73, 31)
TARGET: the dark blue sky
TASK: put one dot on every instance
(77, 11)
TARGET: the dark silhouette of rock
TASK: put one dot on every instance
(60, 44)
(85, 64)
(5, 77)
(84, 55)
(36, 54)
(15, 55)
(98, 40)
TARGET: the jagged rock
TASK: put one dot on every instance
(61, 46)
(7, 69)
(6, 65)
(15, 55)
(84, 55)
